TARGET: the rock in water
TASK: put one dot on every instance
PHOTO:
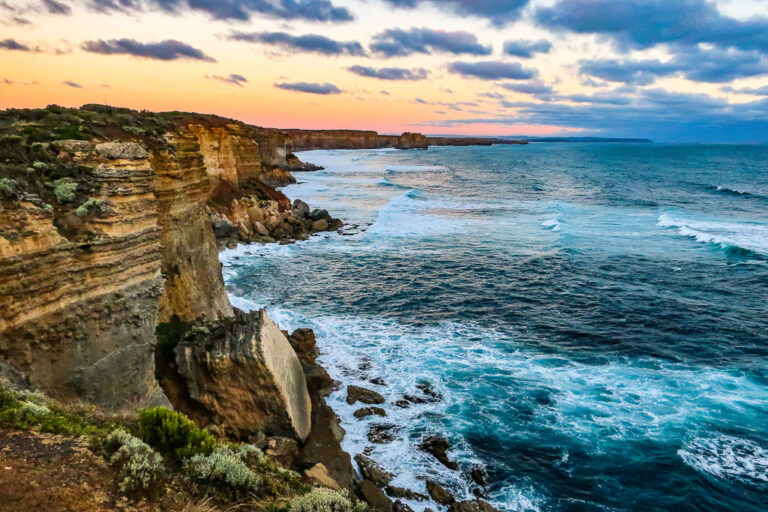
(372, 471)
(471, 506)
(438, 448)
(243, 374)
(367, 396)
(439, 493)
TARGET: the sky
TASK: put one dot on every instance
(668, 70)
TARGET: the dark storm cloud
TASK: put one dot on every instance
(311, 88)
(70, 83)
(55, 7)
(162, 50)
(305, 43)
(310, 10)
(493, 70)
(397, 42)
(390, 73)
(527, 49)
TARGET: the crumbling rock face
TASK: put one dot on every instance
(74, 317)
(241, 374)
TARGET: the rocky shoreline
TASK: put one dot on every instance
(112, 294)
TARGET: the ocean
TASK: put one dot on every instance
(588, 323)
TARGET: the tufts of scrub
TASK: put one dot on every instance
(171, 432)
(226, 466)
(64, 189)
(90, 205)
(321, 499)
(138, 465)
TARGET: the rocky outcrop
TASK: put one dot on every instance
(240, 374)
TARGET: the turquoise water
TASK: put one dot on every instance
(593, 318)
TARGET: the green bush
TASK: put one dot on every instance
(138, 464)
(325, 500)
(88, 206)
(8, 188)
(64, 189)
(225, 466)
(173, 433)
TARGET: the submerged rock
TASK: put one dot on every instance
(382, 433)
(472, 506)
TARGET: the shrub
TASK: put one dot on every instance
(173, 433)
(321, 499)
(8, 188)
(64, 189)
(138, 464)
(225, 466)
(88, 206)
(30, 412)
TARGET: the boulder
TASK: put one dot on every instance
(372, 471)
(282, 450)
(400, 492)
(366, 396)
(369, 411)
(242, 373)
(320, 225)
(471, 506)
(399, 506)
(260, 228)
(319, 474)
(439, 493)
(318, 214)
(374, 496)
(438, 448)
(301, 207)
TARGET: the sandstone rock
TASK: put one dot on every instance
(438, 448)
(121, 150)
(282, 450)
(369, 411)
(304, 343)
(243, 374)
(471, 506)
(439, 493)
(260, 228)
(319, 474)
(366, 396)
(372, 471)
(320, 225)
(374, 496)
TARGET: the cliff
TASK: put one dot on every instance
(304, 140)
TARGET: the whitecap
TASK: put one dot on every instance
(750, 236)
(727, 457)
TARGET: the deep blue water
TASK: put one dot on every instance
(594, 316)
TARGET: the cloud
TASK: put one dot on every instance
(390, 73)
(526, 49)
(535, 88)
(70, 83)
(713, 66)
(498, 12)
(310, 10)
(309, 87)
(17, 20)
(163, 50)
(654, 113)
(396, 42)
(647, 23)
(305, 43)
(12, 44)
(55, 7)
(7, 82)
(757, 91)
(492, 70)
(232, 79)
(420, 101)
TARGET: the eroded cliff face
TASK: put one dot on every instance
(76, 318)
